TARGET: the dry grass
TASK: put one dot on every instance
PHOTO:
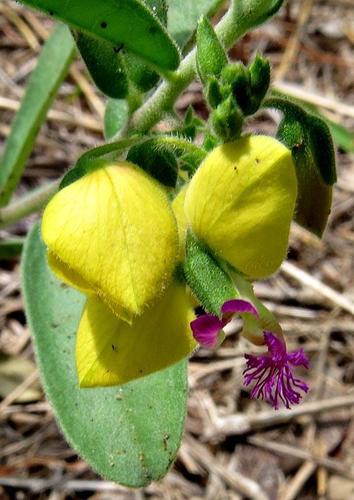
(233, 447)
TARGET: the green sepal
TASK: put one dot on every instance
(259, 71)
(191, 125)
(236, 79)
(157, 158)
(97, 158)
(227, 120)
(210, 142)
(247, 85)
(310, 141)
(211, 285)
(213, 92)
(211, 57)
(105, 64)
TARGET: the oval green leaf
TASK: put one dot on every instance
(126, 22)
(105, 64)
(129, 434)
(143, 77)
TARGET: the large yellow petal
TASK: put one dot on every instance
(182, 224)
(241, 202)
(113, 231)
(111, 352)
(73, 279)
(64, 273)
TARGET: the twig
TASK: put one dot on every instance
(316, 99)
(36, 484)
(83, 119)
(18, 391)
(292, 46)
(292, 451)
(309, 281)
(236, 480)
(241, 423)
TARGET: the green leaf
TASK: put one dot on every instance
(183, 16)
(157, 159)
(208, 281)
(211, 57)
(128, 434)
(97, 158)
(143, 77)
(252, 13)
(126, 22)
(309, 139)
(51, 69)
(115, 117)
(188, 154)
(105, 64)
(11, 248)
(139, 74)
(342, 136)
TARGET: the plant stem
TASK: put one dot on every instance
(28, 204)
(228, 30)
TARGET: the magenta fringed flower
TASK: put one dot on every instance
(272, 372)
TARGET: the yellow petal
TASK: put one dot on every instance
(241, 202)
(64, 273)
(182, 224)
(111, 352)
(113, 232)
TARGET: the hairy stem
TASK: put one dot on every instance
(161, 102)
(27, 204)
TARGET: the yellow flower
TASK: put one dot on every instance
(182, 224)
(112, 233)
(241, 201)
(109, 351)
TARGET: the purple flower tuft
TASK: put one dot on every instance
(273, 373)
(206, 330)
(238, 306)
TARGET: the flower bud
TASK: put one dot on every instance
(113, 233)
(241, 201)
(259, 71)
(227, 120)
(211, 57)
(237, 77)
